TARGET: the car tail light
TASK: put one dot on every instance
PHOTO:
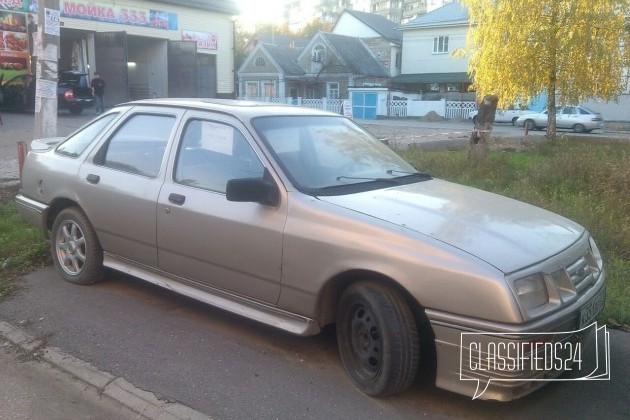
(68, 94)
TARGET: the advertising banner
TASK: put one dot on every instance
(123, 15)
(14, 59)
(17, 5)
(205, 40)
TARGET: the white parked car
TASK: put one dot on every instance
(503, 115)
(576, 118)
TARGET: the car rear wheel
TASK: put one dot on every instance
(530, 125)
(75, 248)
(377, 338)
(579, 128)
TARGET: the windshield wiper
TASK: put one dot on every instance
(388, 180)
(395, 171)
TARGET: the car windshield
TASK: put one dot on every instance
(324, 155)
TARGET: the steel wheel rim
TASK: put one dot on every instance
(366, 342)
(70, 247)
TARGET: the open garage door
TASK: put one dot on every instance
(182, 69)
(111, 51)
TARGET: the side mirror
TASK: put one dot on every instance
(253, 190)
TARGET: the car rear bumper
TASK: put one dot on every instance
(84, 103)
(33, 212)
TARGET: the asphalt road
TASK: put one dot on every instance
(231, 368)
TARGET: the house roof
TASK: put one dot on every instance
(380, 24)
(219, 6)
(281, 40)
(458, 77)
(448, 15)
(285, 57)
(355, 55)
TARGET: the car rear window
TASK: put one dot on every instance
(76, 144)
(72, 80)
(138, 145)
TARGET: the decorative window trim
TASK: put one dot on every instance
(332, 90)
(440, 44)
(268, 88)
(318, 54)
(252, 88)
(260, 62)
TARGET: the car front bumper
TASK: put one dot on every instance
(460, 365)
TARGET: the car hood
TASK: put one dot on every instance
(506, 233)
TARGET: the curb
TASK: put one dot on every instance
(145, 403)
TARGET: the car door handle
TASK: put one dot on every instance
(177, 199)
(93, 179)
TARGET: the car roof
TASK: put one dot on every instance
(246, 109)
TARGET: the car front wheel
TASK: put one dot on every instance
(579, 128)
(377, 338)
(75, 248)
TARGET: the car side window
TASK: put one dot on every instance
(138, 146)
(211, 153)
(76, 144)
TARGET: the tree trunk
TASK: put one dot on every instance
(478, 143)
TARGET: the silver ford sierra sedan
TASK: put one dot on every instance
(298, 219)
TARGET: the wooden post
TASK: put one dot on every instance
(46, 70)
(22, 152)
(478, 143)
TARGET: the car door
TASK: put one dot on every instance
(121, 182)
(206, 240)
(566, 117)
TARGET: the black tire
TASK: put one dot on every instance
(579, 128)
(474, 120)
(377, 338)
(514, 121)
(76, 251)
(530, 125)
(75, 110)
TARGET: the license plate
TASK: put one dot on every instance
(591, 309)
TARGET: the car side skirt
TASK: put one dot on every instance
(33, 212)
(257, 311)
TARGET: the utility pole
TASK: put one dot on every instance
(46, 68)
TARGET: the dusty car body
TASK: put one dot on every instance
(503, 115)
(576, 118)
(298, 219)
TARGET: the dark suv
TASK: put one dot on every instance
(74, 92)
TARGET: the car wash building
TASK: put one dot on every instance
(143, 49)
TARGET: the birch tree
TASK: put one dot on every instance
(571, 50)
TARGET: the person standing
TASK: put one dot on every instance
(98, 89)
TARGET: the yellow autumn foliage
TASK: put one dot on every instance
(570, 49)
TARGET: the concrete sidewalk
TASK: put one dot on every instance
(42, 383)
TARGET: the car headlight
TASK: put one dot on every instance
(531, 291)
(597, 256)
